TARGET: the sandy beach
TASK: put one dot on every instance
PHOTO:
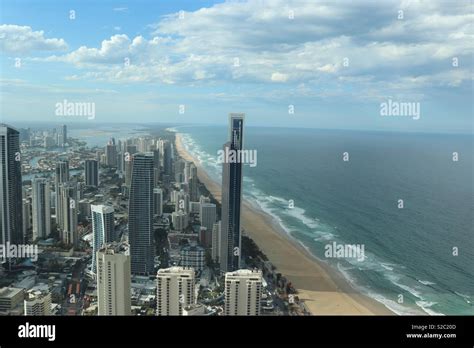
(324, 291)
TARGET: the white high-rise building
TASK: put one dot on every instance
(175, 290)
(103, 229)
(180, 220)
(41, 208)
(243, 292)
(114, 280)
(37, 302)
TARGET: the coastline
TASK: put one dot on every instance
(324, 291)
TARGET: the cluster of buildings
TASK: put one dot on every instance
(142, 186)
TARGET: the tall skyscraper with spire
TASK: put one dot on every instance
(140, 215)
(11, 210)
(230, 240)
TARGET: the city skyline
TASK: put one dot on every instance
(238, 162)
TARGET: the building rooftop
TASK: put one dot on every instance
(9, 292)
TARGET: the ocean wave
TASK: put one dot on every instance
(426, 282)
(324, 236)
(299, 214)
(467, 298)
(425, 306)
(387, 266)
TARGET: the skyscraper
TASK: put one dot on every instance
(62, 136)
(111, 154)
(41, 208)
(140, 216)
(182, 202)
(215, 247)
(130, 151)
(11, 220)
(174, 290)
(207, 214)
(158, 201)
(243, 292)
(193, 183)
(232, 199)
(27, 218)
(103, 229)
(62, 176)
(167, 158)
(68, 205)
(91, 173)
(113, 280)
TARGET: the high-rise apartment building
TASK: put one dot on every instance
(232, 198)
(243, 292)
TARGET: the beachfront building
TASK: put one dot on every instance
(41, 208)
(243, 292)
(11, 220)
(230, 238)
(140, 215)
(114, 280)
(103, 229)
(174, 290)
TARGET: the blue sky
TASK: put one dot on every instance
(335, 62)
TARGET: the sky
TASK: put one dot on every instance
(315, 64)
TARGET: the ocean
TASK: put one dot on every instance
(418, 258)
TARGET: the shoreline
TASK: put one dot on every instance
(324, 290)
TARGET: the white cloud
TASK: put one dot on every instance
(15, 39)
(309, 48)
(279, 77)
